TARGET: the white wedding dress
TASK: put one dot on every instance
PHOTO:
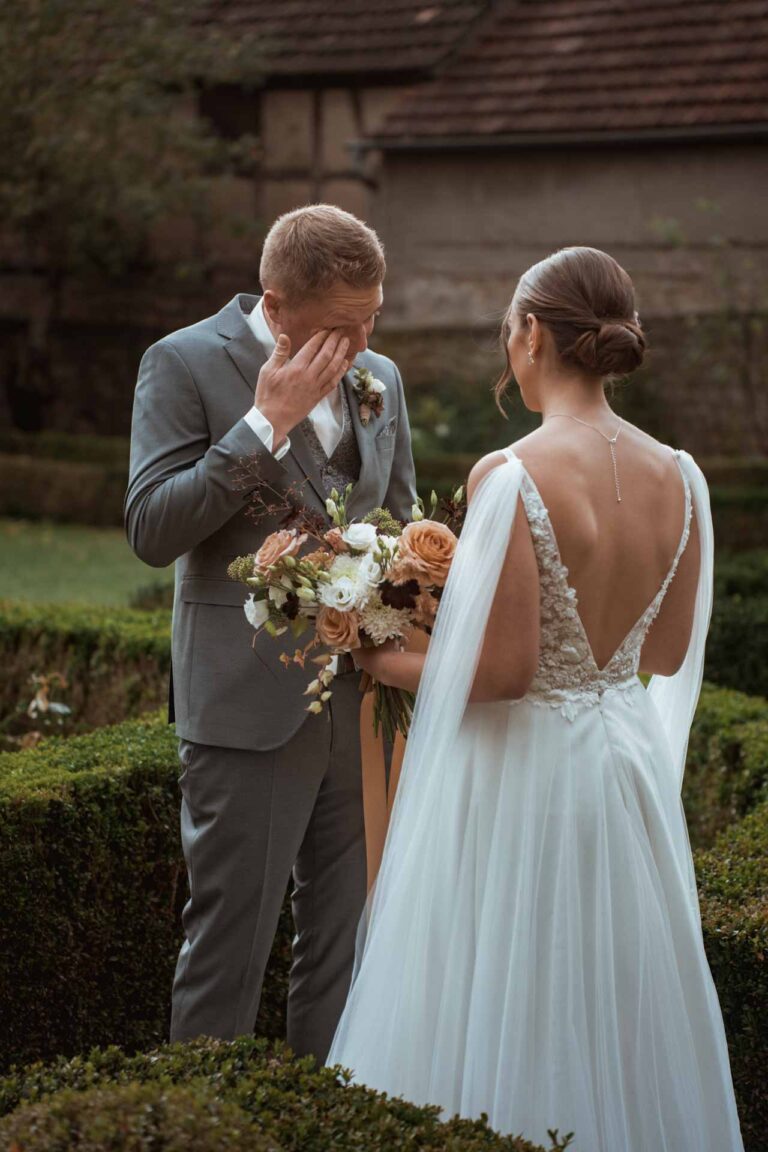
(532, 947)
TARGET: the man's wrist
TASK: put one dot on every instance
(279, 430)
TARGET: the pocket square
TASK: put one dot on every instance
(389, 428)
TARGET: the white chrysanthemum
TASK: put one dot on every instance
(345, 565)
(256, 612)
(382, 622)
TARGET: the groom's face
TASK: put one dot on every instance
(351, 311)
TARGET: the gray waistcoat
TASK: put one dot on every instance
(343, 466)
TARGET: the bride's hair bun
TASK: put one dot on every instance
(614, 348)
(586, 301)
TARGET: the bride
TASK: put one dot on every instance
(532, 947)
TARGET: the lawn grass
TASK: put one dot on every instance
(42, 561)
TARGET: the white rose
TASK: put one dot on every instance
(361, 537)
(375, 385)
(370, 569)
(341, 594)
(256, 612)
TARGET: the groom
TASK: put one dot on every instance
(266, 788)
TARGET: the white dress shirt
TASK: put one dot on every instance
(327, 416)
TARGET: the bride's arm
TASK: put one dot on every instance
(389, 666)
(510, 652)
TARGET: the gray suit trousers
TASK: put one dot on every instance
(247, 819)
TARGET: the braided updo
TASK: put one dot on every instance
(587, 301)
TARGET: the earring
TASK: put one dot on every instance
(530, 356)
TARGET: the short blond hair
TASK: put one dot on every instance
(310, 249)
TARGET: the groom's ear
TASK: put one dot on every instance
(274, 307)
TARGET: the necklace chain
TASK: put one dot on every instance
(611, 443)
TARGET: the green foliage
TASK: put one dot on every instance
(733, 894)
(112, 451)
(737, 644)
(96, 143)
(743, 574)
(135, 1118)
(289, 1103)
(153, 597)
(70, 492)
(115, 662)
(726, 773)
(89, 944)
(384, 521)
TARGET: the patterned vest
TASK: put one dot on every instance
(343, 466)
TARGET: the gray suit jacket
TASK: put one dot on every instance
(187, 437)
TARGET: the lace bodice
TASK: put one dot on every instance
(567, 676)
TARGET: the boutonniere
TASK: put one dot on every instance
(370, 394)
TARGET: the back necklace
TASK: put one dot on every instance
(611, 443)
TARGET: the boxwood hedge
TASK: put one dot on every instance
(94, 884)
(115, 661)
(247, 1089)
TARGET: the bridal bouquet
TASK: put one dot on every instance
(358, 584)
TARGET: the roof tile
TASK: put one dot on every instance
(541, 67)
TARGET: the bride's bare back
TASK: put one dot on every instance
(617, 554)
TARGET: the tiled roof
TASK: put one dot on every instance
(308, 38)
(550, 68)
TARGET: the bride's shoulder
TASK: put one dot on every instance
(483, 466)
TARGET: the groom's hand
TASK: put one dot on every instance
(288, 389)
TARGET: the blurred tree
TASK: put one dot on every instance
(101, 144)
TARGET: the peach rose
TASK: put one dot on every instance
(425, 552)
(338, 629)
(334, 537)
(286, 542)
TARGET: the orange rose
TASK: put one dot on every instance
(286, 542)
(425, 552)
(320, 558)
(334, 537)
(338, 629)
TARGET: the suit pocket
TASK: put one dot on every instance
(212, 590)
(385, 445)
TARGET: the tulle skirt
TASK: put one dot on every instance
(536, 954)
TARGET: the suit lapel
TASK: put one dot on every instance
(364, 436)
(302, 454)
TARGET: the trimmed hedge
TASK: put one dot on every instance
(733, 895)
(115, 661)
(726, 773)
(248, 1088)
(70, 492)
(135, 1118)
(94, 884)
